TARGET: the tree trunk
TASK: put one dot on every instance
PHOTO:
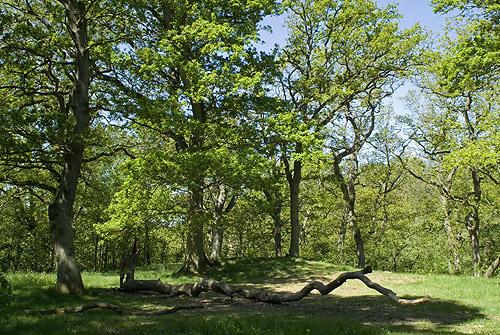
(456, 267)
(277, 233)
(69, 279)
(445, 191)
(341, 238)
(472, 224)
(217, 236)
(349, 197)
(216, 245)
(294, 177)
(195, 258)
(492, 267)
(61, 209)
(294, 218)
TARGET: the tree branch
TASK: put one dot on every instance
(204, 285)
(111, 307)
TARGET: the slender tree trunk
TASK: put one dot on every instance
(472, 224)
(277, 236)
(61, 209)
(347, 185)
(341, 239)
(96, 253)
(294, 218)
(445, 190)
(294, 177)
(217, 236)
(456, 267)
(147, 245)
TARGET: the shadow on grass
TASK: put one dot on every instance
(315, 315)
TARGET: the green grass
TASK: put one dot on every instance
(460, 305)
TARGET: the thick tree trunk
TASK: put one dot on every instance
(216, 245)
(61, 209)
(69, 279)
(127, 263)
(195, 258)
(472, 224)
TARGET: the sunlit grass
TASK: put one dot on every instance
(461, 305)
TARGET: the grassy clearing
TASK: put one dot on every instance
(461, 305)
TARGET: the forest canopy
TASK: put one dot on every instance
(165, 121)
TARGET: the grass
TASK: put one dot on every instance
(460, 305)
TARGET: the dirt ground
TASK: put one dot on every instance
(353, 301)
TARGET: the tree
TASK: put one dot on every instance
(461, 119)
(189, 68)
(341, 60)
(45, 86)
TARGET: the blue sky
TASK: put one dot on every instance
(413, 11)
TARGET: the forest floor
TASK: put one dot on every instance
(459, 305)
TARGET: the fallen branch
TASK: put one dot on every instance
(114, 308)
(205, 285)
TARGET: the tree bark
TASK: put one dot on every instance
(277, 232)
(445, 190)
(456, 267)
(492, 267)
(294, 217)
(294, 178)
(205, 285)
(195, 258)
(216, 245)
(472, 224)
(472, 221)
(61, 209)
(217, 235)
(347, 186)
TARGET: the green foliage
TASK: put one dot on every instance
(183, 106)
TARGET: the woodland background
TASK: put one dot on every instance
(162, 120)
